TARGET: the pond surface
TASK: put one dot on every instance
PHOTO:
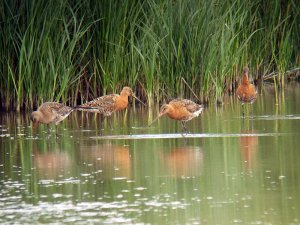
(225, 171)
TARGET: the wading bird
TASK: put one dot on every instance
(246, 91)
(108, 104)
(50, 113)
(180, 109)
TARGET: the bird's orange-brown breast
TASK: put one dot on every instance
(246, 92)
(121, 103)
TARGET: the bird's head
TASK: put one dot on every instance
(127, 91)
(35, 118)
(246, 71)
(164, 109)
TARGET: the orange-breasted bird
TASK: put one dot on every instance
(108, 104)
(246, 92)
(180, 109)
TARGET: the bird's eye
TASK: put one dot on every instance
(32, 118)
(163, 109)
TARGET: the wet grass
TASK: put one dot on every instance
(61, 51)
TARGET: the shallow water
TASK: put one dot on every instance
(225, 171)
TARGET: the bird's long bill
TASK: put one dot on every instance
(153, 121)
(133, 95)
(34, 127)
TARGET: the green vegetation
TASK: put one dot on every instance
(70, 51)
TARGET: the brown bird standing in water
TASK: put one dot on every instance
(108, 104)
(180, 109)
(51, 112)
(246, 91)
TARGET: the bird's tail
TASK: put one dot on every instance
(200, 110)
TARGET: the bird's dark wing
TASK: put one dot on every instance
(103, 104)
(188, 104)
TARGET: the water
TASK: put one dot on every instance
(226, 171)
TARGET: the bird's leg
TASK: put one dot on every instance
(48, 129)
(251, 111)
(101, 123)
(110, 123)
(184, 130)
(56, 132)
(243, 111)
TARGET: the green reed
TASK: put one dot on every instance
(61, 51)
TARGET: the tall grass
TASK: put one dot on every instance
(60, 51)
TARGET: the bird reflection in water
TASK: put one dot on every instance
(184, 161)
(111, 161)
(248, 147)
(52, 163)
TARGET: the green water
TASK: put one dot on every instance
(226, 171)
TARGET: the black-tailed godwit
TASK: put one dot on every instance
(246, 91)
(108, 104)
(180, 109)
(51, 113)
